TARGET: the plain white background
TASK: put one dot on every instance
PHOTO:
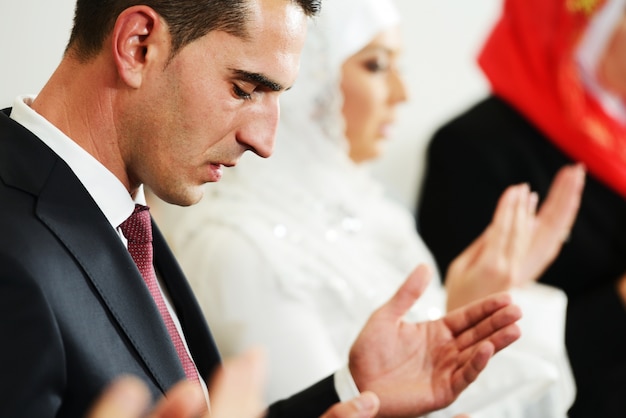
(442, 39)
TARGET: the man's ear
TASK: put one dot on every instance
(139, 39)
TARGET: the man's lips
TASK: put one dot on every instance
(214, 172)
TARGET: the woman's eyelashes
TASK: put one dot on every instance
(376, 65)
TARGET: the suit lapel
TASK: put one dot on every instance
(199, 339)
(71, 214)
(68, 210)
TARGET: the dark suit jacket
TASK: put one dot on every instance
(470, 161)
(75, 311)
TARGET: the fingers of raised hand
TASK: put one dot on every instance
(559, 210)
(491, 263)
(127, 397)
(185, 400)
(519, 238)
(237, 389)
(555, 219)
(477, 345)
(408, 293)
(475, 361)
(480, 329)
(468, 316)
(509, 236)
(498, 328)
(502, 222)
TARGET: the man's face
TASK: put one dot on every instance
(216, 99)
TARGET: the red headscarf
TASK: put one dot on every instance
(529, 59)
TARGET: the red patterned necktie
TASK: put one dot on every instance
(138, 231)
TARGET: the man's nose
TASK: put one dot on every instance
(259, 131)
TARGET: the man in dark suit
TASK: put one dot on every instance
(166, 93)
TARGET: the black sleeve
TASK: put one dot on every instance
(310, 403)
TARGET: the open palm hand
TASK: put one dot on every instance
(416, 368)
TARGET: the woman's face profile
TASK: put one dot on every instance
(372, 88)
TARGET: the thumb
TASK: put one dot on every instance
(409, 292)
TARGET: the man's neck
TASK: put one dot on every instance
(78, 99)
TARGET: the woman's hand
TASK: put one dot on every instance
(519, 244)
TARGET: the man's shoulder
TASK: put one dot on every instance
(25, 161)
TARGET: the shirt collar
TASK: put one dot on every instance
(106, 190)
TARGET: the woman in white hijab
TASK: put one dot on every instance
(295, 252)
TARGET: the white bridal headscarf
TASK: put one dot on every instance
(343, 28)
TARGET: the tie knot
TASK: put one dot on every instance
(138, 228)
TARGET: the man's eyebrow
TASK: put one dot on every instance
(259, 79)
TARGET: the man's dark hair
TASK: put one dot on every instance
(188, 20)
